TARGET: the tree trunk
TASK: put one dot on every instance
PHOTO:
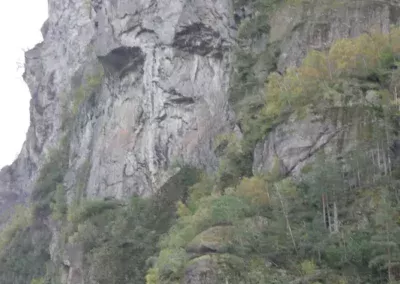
(374, 165)
(329, 215)
(379, 160)
(335, 218)
(286, 217)
(389, 255)
(324, 210)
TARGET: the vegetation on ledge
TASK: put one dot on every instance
(339, 221)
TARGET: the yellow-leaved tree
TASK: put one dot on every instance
(312, 84)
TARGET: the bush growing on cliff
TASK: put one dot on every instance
(118, 238)
(25, 241)
(83, 92)
(210, 210)
(78, 214)
(331, 79)
(254, 190)
(59, 205)
(24, 257)
(50, 177)
(331, 225)
(22, 219)
(37, 281)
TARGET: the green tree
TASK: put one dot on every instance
(386, 254)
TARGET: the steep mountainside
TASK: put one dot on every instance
(141, 82)
(205, 141)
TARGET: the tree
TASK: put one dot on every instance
(386, 240)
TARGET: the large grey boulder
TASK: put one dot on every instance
(202, 270)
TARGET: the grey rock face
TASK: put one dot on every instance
(162, 99)
(73, 260)
(165, 92)
(294, 143)
(201, 271)
(163, 96)
(318, 26)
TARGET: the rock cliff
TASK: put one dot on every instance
(132, 88)
(315, 27)
(161, 97)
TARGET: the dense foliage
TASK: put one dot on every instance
(23, 257)
(119, 238)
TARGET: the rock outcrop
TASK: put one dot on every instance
(132, 87)
(316, 27)
(162, 96)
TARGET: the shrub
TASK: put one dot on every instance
(21, 220)
(37, 281)
(254, 190)
(230, 269)
(59, 205)
(24, 258)
(308, 267)
(81, 181)
(90, 208)
(228, 209)
(236, 161)
(199, 190)
(182, 209)
(189, 226)
(51, 174)
(152, 276)
(314, 84)
(118, 240)
(249, 237)
(253, 28)
(83, 92)
(171, 263)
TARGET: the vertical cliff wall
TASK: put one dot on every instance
(298, 30)
(122, 91)
(143, 83)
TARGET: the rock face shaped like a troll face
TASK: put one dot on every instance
(162, 96)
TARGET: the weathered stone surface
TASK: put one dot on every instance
(298, 29)
(201, 270)
(215, 239)
(304, 27)
(292, 145)
(164, 94)
(215, 268)
(163, 97)
(73, 260)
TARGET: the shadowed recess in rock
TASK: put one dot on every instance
(197, 38)
(123, 60)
